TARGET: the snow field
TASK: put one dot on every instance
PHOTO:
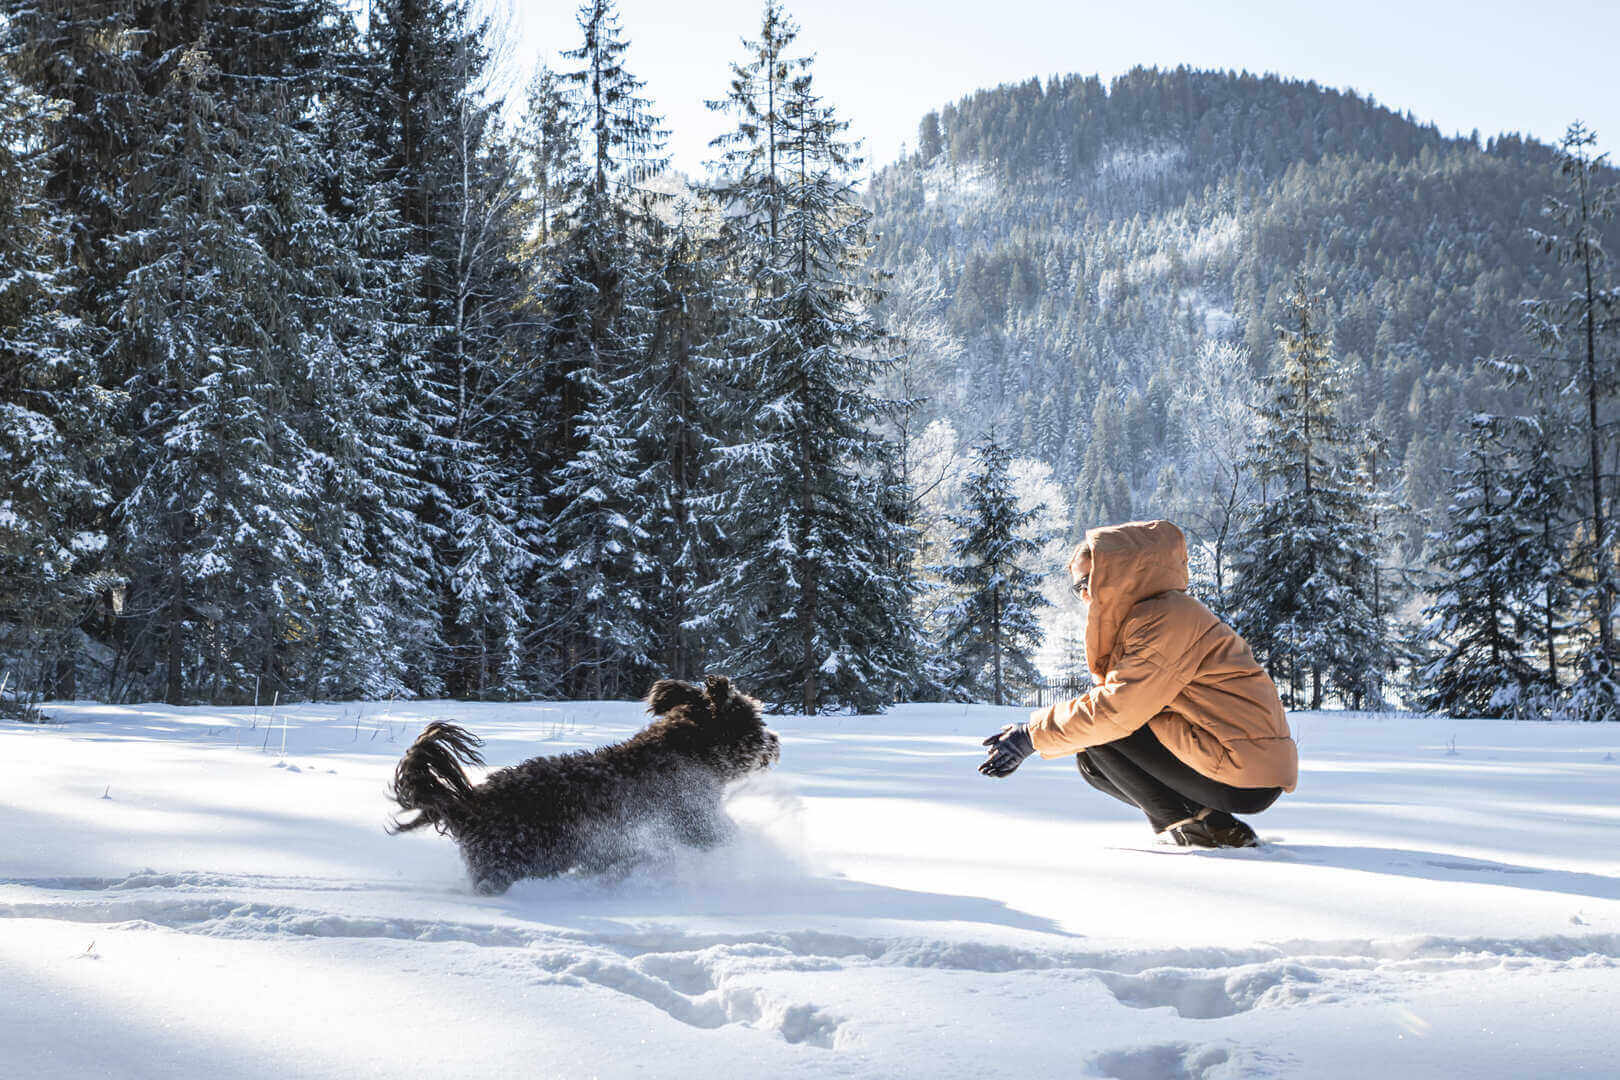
(180, 899)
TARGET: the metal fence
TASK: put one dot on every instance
(1052, 691)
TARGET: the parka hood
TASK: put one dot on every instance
(1129, 563)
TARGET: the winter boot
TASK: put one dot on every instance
(1210, 829)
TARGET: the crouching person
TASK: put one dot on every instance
(1183, 723)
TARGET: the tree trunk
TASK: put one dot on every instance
(173, 691)
(1601, 566)
(995, 639)
(64, 684)
(1547, 609)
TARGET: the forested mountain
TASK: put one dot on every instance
(1082, 243)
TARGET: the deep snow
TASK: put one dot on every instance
(180, 898)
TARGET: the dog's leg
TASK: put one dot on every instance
(702, 822)
(491, 882)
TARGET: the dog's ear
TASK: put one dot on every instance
(717, 688)
(667, 694)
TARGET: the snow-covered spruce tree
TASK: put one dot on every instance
(1541, 500)
(1300, 588)
(594, 305)
(752, 164)
(87, 55)
(681, 417)
(993, 631)
(373, 605)
(492, 538)
(912, 656)
(212, 526)
(52, 423)
(1581, 358)
(548, 152)
(186, 173)
(817, 618)
(934, 471)
(458, 193)
(1388, 578)
(1483, 561)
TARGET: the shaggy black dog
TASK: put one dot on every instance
(593, 809)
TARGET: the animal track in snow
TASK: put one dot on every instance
(696, 990)
(708, 980)
(190, 879)
(1206, 995)
(1168, 1061)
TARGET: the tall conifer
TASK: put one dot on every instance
(1581, 365)
(821, 620)
(1477, 619)
(993, 631)
(53, 420)
(1300, 594)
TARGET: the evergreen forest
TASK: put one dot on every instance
(328, 372)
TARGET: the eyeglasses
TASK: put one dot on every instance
(1079, 586)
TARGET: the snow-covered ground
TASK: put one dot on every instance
(181, 898)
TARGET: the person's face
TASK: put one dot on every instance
(1080, 577)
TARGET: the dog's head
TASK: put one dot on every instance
(729, 720)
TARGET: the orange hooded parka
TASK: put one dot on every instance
(1163, 659)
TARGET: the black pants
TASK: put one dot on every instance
(1139, 771)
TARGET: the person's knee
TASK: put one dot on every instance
(1097, 778)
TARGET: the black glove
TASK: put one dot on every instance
(1008, 749)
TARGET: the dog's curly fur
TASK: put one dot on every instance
(591, 809)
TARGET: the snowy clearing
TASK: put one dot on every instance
(180, 898)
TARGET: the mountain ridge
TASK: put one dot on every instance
(1084, 239)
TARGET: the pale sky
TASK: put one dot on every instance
(1462, 64)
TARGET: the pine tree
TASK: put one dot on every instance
(910, 314)
(458, 193)
(548, 147)
(52, 420)
(820, 619)
(191, 165)
(1484, 558)
(374, 610)
(595, 306)
(1577, 332)
(97, 60)
(682, 410)
(1386, 578)
(1300, 590)
(993, 631)
(753, 158)
(1541, 500)
(212, 526)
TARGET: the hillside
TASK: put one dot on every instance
(1081, 241)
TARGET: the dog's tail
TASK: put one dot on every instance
(430, 778)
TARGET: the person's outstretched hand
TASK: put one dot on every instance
(1008, 749)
